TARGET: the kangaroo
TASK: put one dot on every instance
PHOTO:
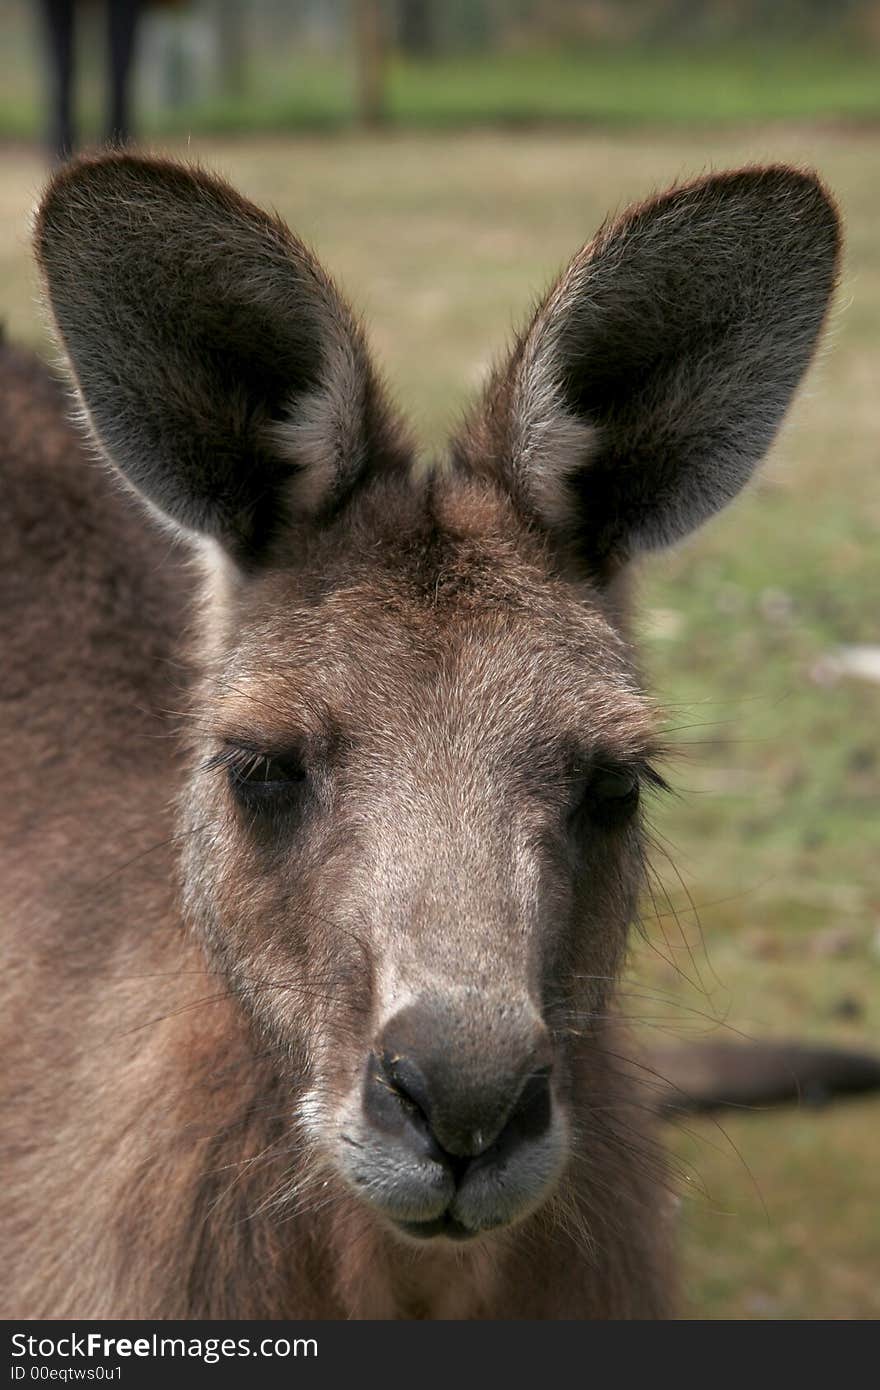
(324, 797)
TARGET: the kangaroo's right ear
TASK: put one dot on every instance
(217, 364)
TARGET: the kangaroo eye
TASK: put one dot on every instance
(614, 785)
(609, 796)
(262, 780)
(264, 771)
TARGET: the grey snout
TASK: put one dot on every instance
(466, 1093)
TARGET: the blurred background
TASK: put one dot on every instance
(445, 158)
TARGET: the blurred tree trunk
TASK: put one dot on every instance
(369, 38)
(176, 68)
(232, 46)
(417, 28)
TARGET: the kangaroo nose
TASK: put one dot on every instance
(447, 1094)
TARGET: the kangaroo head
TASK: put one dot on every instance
(411, 828)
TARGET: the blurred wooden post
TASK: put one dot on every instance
(369, 38)
(231, 30)
(416, 32)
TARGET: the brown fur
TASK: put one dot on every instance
(194, 989)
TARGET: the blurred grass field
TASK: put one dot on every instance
(442, 240)
(603, 84)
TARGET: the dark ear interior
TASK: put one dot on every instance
(655, 374)
(202, 335)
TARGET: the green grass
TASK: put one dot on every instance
(605, 87)
(630, 86)
(601, 86)
(442, 240)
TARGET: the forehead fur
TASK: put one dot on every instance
(427, 601)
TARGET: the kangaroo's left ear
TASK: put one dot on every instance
(656, 372)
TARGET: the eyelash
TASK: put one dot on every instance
(243, 765)
(610, 810)
(281, 773)
(651, 779)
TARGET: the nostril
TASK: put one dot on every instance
(453, 1085)
(398, 1101)
(407, 1080)
(533, 1112)
(530, 1118)
(395, 1102)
